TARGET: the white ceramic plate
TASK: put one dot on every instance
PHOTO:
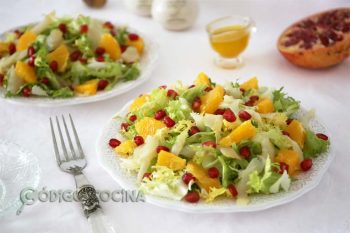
(305, 181)
(147, 64)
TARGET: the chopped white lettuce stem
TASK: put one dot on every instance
(14, 82)
(229, 153)
(43, 25)
(243, 175)
(6, 62)
(235, 92)
(267, 147)
(54, 39)
(231, 103)
(131, 55)
(37, 90)
(283, 182)
(214, 122)
(180, 141)
(296, 148)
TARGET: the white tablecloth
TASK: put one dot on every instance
(182, 56)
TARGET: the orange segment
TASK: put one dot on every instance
(202, 79)
(245, 131)
(4, 47)
(110, 44)
(250, 84)
(212, 99)
(25, 72)
(139, 44)
(60, 55)
(138, 102)
(170, 160)
(126, 148)
(148, 126)
(25, 40)
(296, 132)
(87, 88)
(291, 158)
(202, 177)
(265, 106)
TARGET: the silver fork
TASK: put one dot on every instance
(74, 162)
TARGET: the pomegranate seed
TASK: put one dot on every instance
(54, 66)
(208, 89)
(192, 197)
(192, 86)
(163, 87)
(242, 90)
(114, 142)
(289, 121)
(26, 91)
(160, 148)
(306, 164)
(1, 79)
(139, 140)
(45, 81)
(12, 48)
(83, 60)
(124, 126)
(75, 55)
(62, 27)
(102, 84)
(283, 167)
(84, 28)
(244, 151)
(168, 122)
(194, 130)
(196, 104)
(322, 136)
(209, 143)
(100, 59)
(285, 133)
(219, 111)
(100, 51)
(244, 115)
(254, 98)
(171, 93)
(159, 114)
(123, 48)
(147, 175)
(213, 172)
(187, 177)
(232, 190)
(133, 118)
(31, 61)
(133, 36)
(108, 25)
(229, 115)
(30, 51)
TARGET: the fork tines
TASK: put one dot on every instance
(73, 154)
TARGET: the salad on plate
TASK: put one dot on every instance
(62, 57)
(208, 141)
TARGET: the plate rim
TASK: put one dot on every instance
(191, 208)
(152, 50)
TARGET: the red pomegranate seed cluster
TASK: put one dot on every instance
(113, 142)
(327, 29)
(133, 118)
(283, 167)
(138, 140)
(244, 151)
(124, 126)
(306, 164)
(62, 27)
(12, 48)
(27, 91)
(322, 136)
(252, 100)
(102, 84)
(84, 28)
(133, 36)
(187, 177)
(192, 197)
(54, 66)
(213, 172)
(209, 144)
(244, 115)
(194, 130)
(168, 122)
(160, 114)
(229, 115)
(232, 189)
(160, 148)
(196, 104)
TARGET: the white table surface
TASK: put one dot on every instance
(182, 56)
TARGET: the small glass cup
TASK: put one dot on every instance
(229, 37)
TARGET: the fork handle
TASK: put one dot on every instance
(87, 196)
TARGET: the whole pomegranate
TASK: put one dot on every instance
(318, 41)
